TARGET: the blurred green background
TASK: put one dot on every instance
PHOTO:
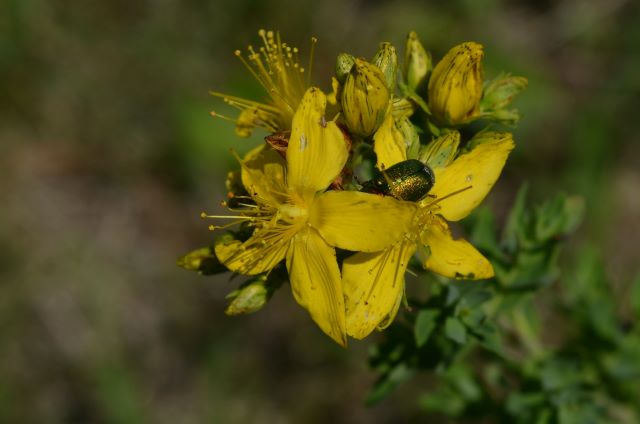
(108, 154)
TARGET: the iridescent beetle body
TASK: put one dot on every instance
(409, 180)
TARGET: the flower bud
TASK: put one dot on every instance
(455, 87)
(365, 98)
(417, 62)
(250, 297)
(439, 153)
(204, 260)
(386, 59)
(344, 63)
(498, 94)
(500, 91)
(410, 135)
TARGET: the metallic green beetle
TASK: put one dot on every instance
(409, 180)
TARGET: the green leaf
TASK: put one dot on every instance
(516, 220)
(472, 317)
(635, 296)
(489, 338)
(462, 379)
(558, 217)
(482, 233)
(476, 297)
(455, 330)
(521, 404)
(453, 294)
(425, 324)
(388, 383)
(444, 400)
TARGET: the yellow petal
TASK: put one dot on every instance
(373, 287)
(332, 98)
(315, 281)
(263, 174)
(360, 221)
(474, 172)
(388, 143)
(453, 258)
(317, 149)
(254, 256)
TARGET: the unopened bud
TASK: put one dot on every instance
(500, 91)
(344, 63)
(498, 94)
(251, 297)
(417, 62)
(455, 87)
(386, 59)
(203, 260)
(440, 152)
(365, 98)
(410, 136)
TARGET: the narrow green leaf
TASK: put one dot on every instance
(388, 383)
(425, 324)
(635, 296)
(516, 219)
(455, 330)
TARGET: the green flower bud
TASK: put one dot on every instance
(410, 135)
(387, 60)
(440, 152)
(500, 91)
(344, 63)
(204, 260)
(455, 87)
(417, 62)
(505, 116)
(365, 98)
(498, 94)
(250, 297)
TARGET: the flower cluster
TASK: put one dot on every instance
(351, 184)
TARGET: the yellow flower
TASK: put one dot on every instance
(295, 219)
(373, 282)
(277, 67)
(455, 87)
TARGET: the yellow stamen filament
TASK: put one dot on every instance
(277, 68)
(217, 115)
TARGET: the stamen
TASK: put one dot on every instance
(217, 115)
(314, 40)
(204, 215)
(246, 64)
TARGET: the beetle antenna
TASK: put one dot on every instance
(435, 202)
